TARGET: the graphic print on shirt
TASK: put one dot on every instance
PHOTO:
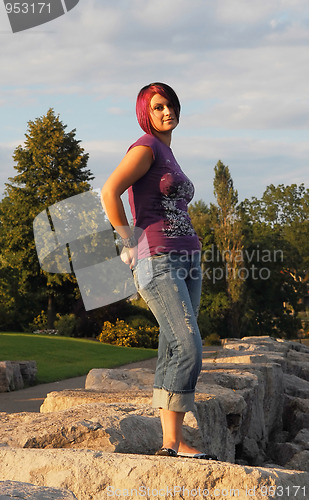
(177, 191)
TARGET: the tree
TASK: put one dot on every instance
(214, 302)
(51, 166)
(279, 224)
(255, 259)
(280, 205)
(228, 233)
(221, 229)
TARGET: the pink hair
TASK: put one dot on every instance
(143, 103)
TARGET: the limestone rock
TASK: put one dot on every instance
(250, 450)
(300, 461)
(302, 439)
(283, 409)
(295, 386)
(261, 388)
(251, 408)
(100, 426)
(28, 370)
(243, 358)
(10, 377)
(295, 415)
(217, 438)
(14, 375)
(229, 377)
(119, 380)
(97, 475)
(283, 452)
(121, 428)
(26, 491)
(245, 398)
(265, 342)
(63, 400)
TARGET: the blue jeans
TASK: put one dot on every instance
(171, 286)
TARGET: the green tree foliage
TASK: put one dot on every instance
(279, 227)
(266, 243)
(228, 233)
(221, 229)
(214, 302)
(285, 210)
(280, 205)
(51, 166)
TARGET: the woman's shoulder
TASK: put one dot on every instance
(147, 140)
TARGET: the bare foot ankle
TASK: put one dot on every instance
(184, 448)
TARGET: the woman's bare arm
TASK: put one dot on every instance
(134, 165)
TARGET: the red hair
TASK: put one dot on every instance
(143, 103)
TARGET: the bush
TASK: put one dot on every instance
(67, 325)
(212, 339)
(138, 321)
(39, 322)
(124, 334)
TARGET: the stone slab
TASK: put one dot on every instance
(97, 475)
(14, 375)
(63, 400)
(26, 491)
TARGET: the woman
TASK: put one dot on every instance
(165, 258)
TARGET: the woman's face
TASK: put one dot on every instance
(162, 114)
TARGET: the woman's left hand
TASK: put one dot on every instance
(129, 256)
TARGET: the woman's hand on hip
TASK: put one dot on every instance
(129, 256)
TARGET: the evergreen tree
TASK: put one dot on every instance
(51, 166)
(214, 303)
(228, 233)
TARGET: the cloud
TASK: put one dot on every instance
(254, 163)
(98, 41)
(240, 69)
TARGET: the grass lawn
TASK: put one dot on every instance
(59, 358)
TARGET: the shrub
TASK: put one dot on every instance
(67, 325)
(126, 335)
(212, 339)
(139, 321)
(39, 322)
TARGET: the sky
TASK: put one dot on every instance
(239, 67)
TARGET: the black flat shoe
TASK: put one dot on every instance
(202, 456)
(166, 452)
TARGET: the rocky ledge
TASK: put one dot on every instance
(97, 475)
(252, 411)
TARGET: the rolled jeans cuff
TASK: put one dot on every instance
(181, 402)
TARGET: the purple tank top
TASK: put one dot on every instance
(159, 203)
